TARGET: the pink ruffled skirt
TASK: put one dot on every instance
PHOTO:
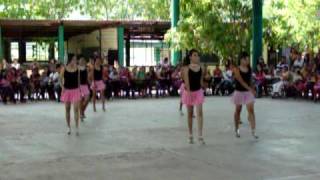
(193, 98)
(98, 85)
(71, 95)
(242, 98)
(84, 90)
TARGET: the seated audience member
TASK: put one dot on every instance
(260, 81)
(176, 81)
(44, 83)
(206, 79)
(278, 87)
(115, 82)
(217, 79)
(151, 78)
(15, 64)
(140, 81)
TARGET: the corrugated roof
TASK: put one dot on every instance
(49, 28)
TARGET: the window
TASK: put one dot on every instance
(30, 55)
(37, 51)
(143, 52)
(14, 50)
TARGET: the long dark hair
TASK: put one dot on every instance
(243, 55)
(70, 59)
(187, 60)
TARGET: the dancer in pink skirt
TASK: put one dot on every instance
(193, 95)
(84, 88)
(97, 84)
(244, 93)
(71, 91)
(185, 65)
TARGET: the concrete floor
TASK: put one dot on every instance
(147, 140)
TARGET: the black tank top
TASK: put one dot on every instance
(246, 76)
(83, 77)
(195, 80)
(71, 80)
(98, 74)
(153, 75)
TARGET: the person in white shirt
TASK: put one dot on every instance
(298, 63)
(15, 64)
(54, 79)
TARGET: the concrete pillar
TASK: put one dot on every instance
(22, 51)
(175, 13)
(128, 51)
(1, 46)
(120, 32)
(61, 44)
(257, 31)
(157, 54)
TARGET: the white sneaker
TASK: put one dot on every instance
(238, 133)
(201, 141)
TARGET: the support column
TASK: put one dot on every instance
(22, 51)
(100, 44)
(61, 44)
(157, 55)
(128, 51)
(120, 32)
(1, 46)
(257, 31)
(51, 51)
(175, 13)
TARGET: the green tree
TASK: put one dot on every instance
(127, 9)
(292, 22)
(108, 9)
(16, 9)
(222, 27)
(154, 9)
(37, 9)
(55, 9)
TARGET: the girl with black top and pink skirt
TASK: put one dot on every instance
(70, 83)
(84, 87)
(97, 84)
(193, 95)
(244, 93)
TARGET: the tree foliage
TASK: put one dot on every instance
(127, 9)
(37, 9)
(16, 9)
(55, 9)
(292, 22)
(221, 27)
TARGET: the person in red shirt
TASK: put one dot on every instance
(35, 81)
(217, 79)
(260, 79)
(124, 74)
(5, 88)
